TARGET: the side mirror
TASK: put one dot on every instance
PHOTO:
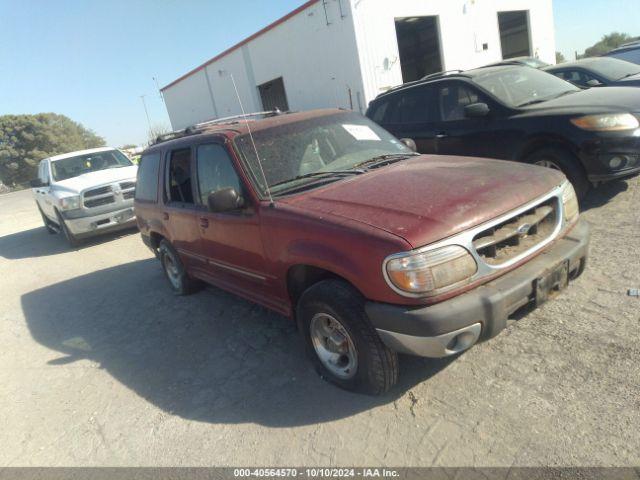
(225, 200)
(409, 143)
(36, 183)
(594, 83)
(476, 110)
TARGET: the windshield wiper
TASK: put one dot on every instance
(386, 159)
(328, 174)
(541, 100)
(629, 75)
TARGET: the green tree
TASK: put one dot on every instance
(560, 57)
(606, 44)
(27, 139)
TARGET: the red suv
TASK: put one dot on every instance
(372, 249)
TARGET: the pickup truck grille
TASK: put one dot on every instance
(518, 234)
(97, 191)
(107, 194)
(97, 202)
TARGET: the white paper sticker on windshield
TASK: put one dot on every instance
(361, 132)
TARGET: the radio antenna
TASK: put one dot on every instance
(253, 143)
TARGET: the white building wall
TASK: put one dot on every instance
(322, 58)
(318, 64)
(464, 26)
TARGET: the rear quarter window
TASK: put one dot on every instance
(147, 184)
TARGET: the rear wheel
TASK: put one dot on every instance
(341, 342)
(181, 283)
(558, 159)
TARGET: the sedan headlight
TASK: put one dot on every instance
(427, 272)
(570, 203)
(608, 122)
(69, 203)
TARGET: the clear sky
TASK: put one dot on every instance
(91, 60)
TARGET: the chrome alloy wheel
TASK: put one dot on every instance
(172, 270)
(334, 346)
(548, 164)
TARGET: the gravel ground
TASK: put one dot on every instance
(102, 365)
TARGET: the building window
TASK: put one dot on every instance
(514, 34)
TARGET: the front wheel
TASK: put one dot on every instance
(72, 240)
(558, 159)
(341, 342)
(47, 223)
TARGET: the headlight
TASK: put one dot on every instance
(69, 203)
(425, 273)
(570, 203)
(607, 122)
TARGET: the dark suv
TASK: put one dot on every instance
(519, 113)
(325, 217)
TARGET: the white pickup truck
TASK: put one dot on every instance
(86, 192)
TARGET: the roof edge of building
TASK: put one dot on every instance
(226, 52)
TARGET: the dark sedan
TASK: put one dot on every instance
(519, 113)
(598, 72)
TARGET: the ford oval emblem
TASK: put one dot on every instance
(524, 229)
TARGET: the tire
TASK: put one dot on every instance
(47, 222)
(567, 163)
(72, 240)
(375, 369)
(179, 281)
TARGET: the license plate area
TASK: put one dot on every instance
(123, 216)
(552, 282)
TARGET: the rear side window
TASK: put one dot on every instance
(414, 105)
(215, 171)
(147, 184)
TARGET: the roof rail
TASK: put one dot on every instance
(199, 127)
(441, 74)
(630, 44)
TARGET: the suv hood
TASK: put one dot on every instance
(431, 197)
(592, 100)
(95, 179)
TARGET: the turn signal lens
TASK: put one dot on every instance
(431, 271)
(570, 203)
(607, 122)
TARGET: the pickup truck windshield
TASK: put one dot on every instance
(297, 153)
(92, 162)
(519, 86)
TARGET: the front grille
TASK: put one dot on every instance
(127, 185)
(128, 195)
(518, 234)
(97, 202)
(97, 191)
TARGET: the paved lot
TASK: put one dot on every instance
(101, 365)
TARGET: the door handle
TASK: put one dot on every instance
(442, 135)
(165, 216)
(204, 223)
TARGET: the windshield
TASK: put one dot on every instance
(612, 68)
(92, 162)
(518, 86)
(331, 143)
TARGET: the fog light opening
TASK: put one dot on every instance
(619, 161)
(461, 342)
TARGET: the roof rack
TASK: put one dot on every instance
(199, 127)
(632, 43)
(419, 81)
